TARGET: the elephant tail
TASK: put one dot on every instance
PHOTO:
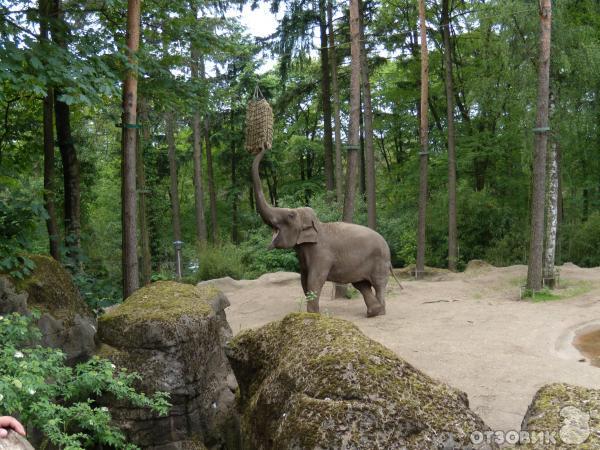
(395, 278)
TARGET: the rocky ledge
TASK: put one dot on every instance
(309, 381)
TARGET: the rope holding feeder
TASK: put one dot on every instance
(259, 124)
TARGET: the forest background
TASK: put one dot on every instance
(198, 68)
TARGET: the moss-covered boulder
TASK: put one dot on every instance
(566, 414)
(310, 381)
(66, 321)
(173, 335)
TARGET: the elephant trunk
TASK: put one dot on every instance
(265, 210)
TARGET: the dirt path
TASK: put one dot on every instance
(468, 330)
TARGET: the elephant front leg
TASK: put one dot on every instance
(314, 285)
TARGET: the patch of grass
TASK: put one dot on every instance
(567, 289)
(351, 293)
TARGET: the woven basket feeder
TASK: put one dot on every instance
(259, 124)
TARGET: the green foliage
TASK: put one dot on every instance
(400, 234)
(20, 212)
(583, 241)
(257, 259)
(97, 291)
(216, 261)
(61, 401)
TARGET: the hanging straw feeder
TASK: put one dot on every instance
(259, 124)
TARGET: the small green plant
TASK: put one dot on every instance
(351, 293)
(568, 289)
(309, 297)
(59, 400)
(543, 295)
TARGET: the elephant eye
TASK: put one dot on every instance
(292, 215)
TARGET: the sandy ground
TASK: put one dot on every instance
(469, 330)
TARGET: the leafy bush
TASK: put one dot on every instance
(584, 241)
(60, 401)
(98, 290)
(512, 248)
(400, 234)
(216, 261)
(20, 212)
(257, 259)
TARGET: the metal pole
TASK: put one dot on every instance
(178, 265)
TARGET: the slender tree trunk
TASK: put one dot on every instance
(251, 199)
(326, 99)
(201, 233)
(146, 272)
(361, 159)
(585, 211)
(368, 126)
(452, 231)
(197, 157)
(354, 125)
(48, 125)
(551, 215)
(51, 221)
(424, 134)
(534, 270)
(71, 175)
(339, 182)
(128, 187)
(560, 216)
(235, 238)
(212, 195)
(173, 192)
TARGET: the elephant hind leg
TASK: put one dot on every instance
(374, 307)
(380, 291)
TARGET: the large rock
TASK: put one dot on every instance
(66, 320)
(173, 335)
(310, 381)
(14, 441)
(566, 414)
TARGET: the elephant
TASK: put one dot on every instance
(335, 251)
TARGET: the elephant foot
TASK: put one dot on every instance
(378, 310)
(312, 308)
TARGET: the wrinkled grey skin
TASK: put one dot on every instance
(337, 251)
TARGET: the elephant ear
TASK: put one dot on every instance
(309, 231)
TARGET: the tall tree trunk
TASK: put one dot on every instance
(361, 160)
(71, 175)
(212, 195)
(368, 126)
(354, 125)
(235, 237)
(452, 231)
(551, 215)
(197, 157)
(423, 155)
(173, 191)
(146, 272)
(128, 188)
(339, 182)
(48, 125)
(326, 99)
(534, 270)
